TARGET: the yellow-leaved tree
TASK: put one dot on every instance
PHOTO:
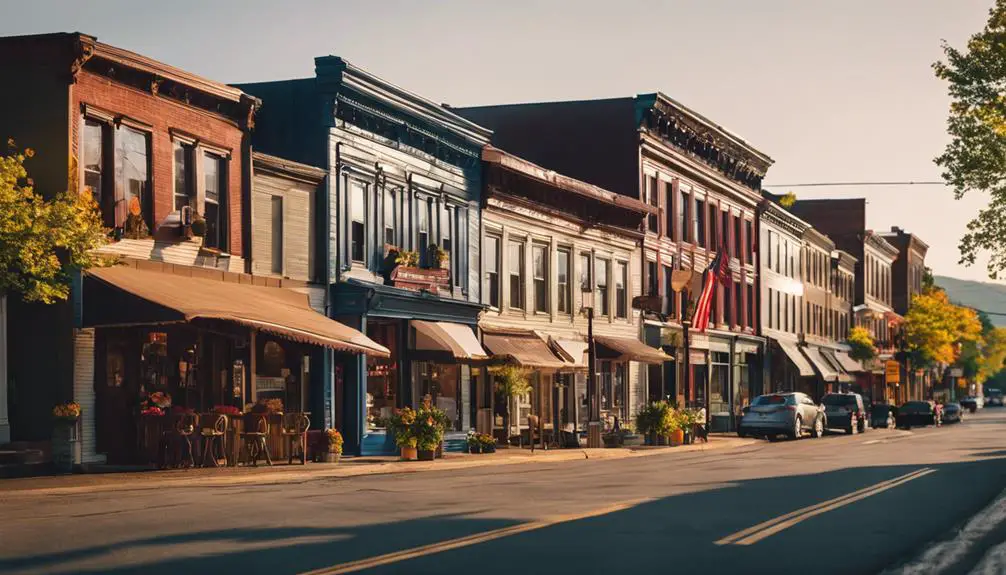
(41, 239)
(934, 327)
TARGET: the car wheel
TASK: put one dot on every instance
(819, 427)
(797, 428)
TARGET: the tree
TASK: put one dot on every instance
(934, 327)
(975, 158)
(511, 382)
(861, 346)
(40, 239)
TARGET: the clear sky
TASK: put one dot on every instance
(833, 90)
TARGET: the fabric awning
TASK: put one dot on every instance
(631, 349)
(829, 356)
(573, 351)
(798, 359)
(821, 365)
(178, 298)
(848, 364)
(523, 347)
(455, 338)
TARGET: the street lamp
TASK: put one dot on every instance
(593, 409)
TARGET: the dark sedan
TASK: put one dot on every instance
(882, 416)
(952, 413)
(917, 413)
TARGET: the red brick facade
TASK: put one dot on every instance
(164, 114)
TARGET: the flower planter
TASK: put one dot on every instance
(65, 444)
(474, 449)
(329, 457)
(409, 454)
(440, 451)
(427, 454)
(677, 437)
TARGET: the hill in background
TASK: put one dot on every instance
(984, 296)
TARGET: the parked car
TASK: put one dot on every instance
(788, 414)
(845, 411)
(952, 413)
(973, 403)
(917, 413)
(883, 416)
(994, 397)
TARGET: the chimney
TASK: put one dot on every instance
(896, 230)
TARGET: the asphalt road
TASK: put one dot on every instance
(841, 504)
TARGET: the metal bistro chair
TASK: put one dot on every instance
(255, 438)
(213, 429)
(178, 439)
(295, 426)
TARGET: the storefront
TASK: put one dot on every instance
(434, 354)
(165, 342)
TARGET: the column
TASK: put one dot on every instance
(354, 406)
(4, 421)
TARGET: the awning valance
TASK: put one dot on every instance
(573, 351)
(631, 349)
(798, 359)
(829, 356)
(455, 338)
(523, 347)
(122, 295)
(848, 364)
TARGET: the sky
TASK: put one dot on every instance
(832, 90)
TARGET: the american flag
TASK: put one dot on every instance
(718, 271)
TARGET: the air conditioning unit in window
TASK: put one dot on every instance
(185, 222)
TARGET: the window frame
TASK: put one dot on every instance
(621, 274)
(488, 280)
(540, 307)
(353, 185)
(601, 302)
(222, 162)
(519, 273)
(563, 289)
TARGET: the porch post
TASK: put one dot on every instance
(4, 421)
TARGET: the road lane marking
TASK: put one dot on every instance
(762, 530)
(483, 537)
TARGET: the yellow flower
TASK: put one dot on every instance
(30, 153)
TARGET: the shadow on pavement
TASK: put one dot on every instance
(662, 535)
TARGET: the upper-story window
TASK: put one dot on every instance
(669, 214)
(425, 207)
(682, 216)
(185, 182)
(601, 267)
(585, 278)
(358, 209)
(652, 281)
(492, 274)
(717, 237)
(215, 173)
(516, 256)
(768, 252)
(447, 236)
(737, 237)
(539, 261)
(458, 268)
(652, 199)
(116, 171)
(390, 237)
(671, 307)
(621, 289)
(563, 261)
(699, 231)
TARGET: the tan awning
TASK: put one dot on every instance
(523, 347)
(179, 298)
(798, 359)
(455, 338)
(821, 365)
(573, 351)
(829, 356)
(632, 349)
(848, 364)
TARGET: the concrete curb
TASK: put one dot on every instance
(274, 476)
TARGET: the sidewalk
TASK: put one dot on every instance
(349, 467)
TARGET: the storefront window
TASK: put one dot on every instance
(441, 385)
(719, 381)
(382, 374)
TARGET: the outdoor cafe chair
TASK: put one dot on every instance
(295, 426)
(213, 429)
(255, 437)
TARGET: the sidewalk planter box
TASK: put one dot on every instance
(409, 454)
(427, 454)
(632, 440)
(65, 444)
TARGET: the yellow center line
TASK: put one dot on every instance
(439, 547)
(755, 534)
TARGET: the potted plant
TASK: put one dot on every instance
(65, 439)
(408, 259)
(439, 258)
(198, 225)
(401, 423)
(429, 432)
(675, 427)
(474, 442)
(334, 446)
(488, 443)
(511, 382)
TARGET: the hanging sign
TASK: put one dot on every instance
(892, 371)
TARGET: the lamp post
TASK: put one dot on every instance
(593, 408)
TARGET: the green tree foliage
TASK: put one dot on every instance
(975, 158)
(41, 240)
(511, 381)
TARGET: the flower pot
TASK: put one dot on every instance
(474, 449)
(409, 454)
(651, 438)
(330, 457)
(65, 444)
(677, 437)
(427, 454)
(440, 450)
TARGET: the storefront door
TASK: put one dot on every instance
(116, 386)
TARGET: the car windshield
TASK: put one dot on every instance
(916, 405)
(839, 400)
(771, 400)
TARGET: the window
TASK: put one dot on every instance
(94, 161)
(446, 237)
(778, 310)
(460, 267)
(786, 262)
(652, 281)
(768, 252)
(699, 233)
(682, 216)
(737, 237)
(425, 205)
(601, 277)
(585, 272)
(562, 281)
(725, 232)
(672, 309)
(748, 240)
(669, 213)
(652, 199)
(618, 393)
(621, 295)
(277, 234)
(390, 238)
(492, 279)
(728, 301)
(539, 266)
(777, 256)
(516, 275)
(358, 209)
(185, 189)
(738, 304)
(131, 176)
(750, 308)
(215, 182)
(715, 233)
(771, 316)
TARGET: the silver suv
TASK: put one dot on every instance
(788, 414)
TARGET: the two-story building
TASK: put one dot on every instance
(906, 282)
(166, 155)
(400, 227)
(553, 245)
(704, 182)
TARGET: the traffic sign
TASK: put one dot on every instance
(892, 371)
